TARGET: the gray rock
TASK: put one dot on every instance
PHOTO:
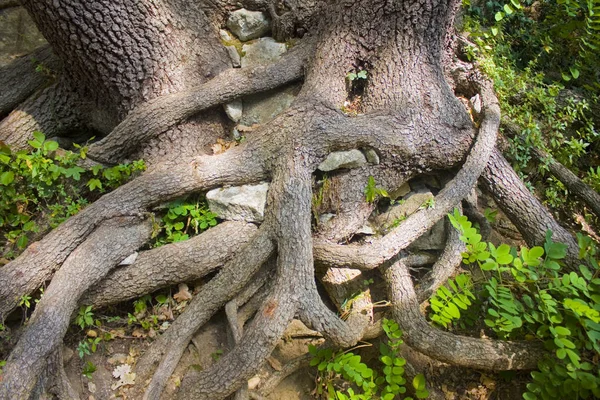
(372, 156)
(262, 51)
(239, 203)
(236, 60)
(248, 25)
(234, 110)
(475, 103)
(263, 107)
(225, 35)
(323, 218)
(236, 134)
(130, 259)
(343, 159)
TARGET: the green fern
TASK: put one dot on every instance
(448, 301)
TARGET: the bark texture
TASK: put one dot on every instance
(150, 77)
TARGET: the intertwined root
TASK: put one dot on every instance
(286, 152)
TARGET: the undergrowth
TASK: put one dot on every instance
(42, 186)
(528, 295)
(543, 57)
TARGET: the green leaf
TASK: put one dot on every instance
(574, 72)
(507, 9)
(50, 145)
(494, 31)
(7, 178)
(419, 382)
(499, 16)
(39, 136)
(22, 241)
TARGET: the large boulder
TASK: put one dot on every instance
(248, 25)
(239, 203)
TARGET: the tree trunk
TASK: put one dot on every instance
(147, 76)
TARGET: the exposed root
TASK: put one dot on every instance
(232, 278)
(236, 329)
(54, 111)
(158, 115)
(444, 267)
(88, 264)
(572, 182)
(447, 347)
(380, 250)
(37, 263)
(54, 380)
(20, 79)
(288, 369)
(4, 4)
(171, 264)
(524, 210)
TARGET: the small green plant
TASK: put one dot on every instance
(448, 300)
(373, 192)
(351, 76)
(25, 301)
(343, 375)
(2, 364)
(42, 186)
(490, 215)
(428, 204)
(216, 356)
(83, 349)
(88, 369)
(530, 296)
(183, 218)
(85, 317)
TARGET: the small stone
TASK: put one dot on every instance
(129, 260)
(248, 25)
(236, 134)
(67, 354)
(91, 387)
(236, 60)
(234, 110)
(253, 382)
(261, 108)
(239, 203)
(343, 159)
(366, 229)
(372, 156)
(262, 51)
(475, 103)
(117, 358)
(225, 35)
(325, 217)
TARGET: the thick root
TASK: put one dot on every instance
(88, 264)
(172, 264)
(447, 347)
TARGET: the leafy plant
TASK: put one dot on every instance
(183, 218)
(43, 186)
(85, 317)
(448, 300)
(372, 191)
(562, 309)
(216, 356)
(351, 76)
(88, 369)
(343, 375)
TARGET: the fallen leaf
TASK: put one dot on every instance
(183, 294)
(125, 376)
(275, 363)
(138, 333)
(92, 333)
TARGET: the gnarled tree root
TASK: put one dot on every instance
(447, 347)
(110, 243)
